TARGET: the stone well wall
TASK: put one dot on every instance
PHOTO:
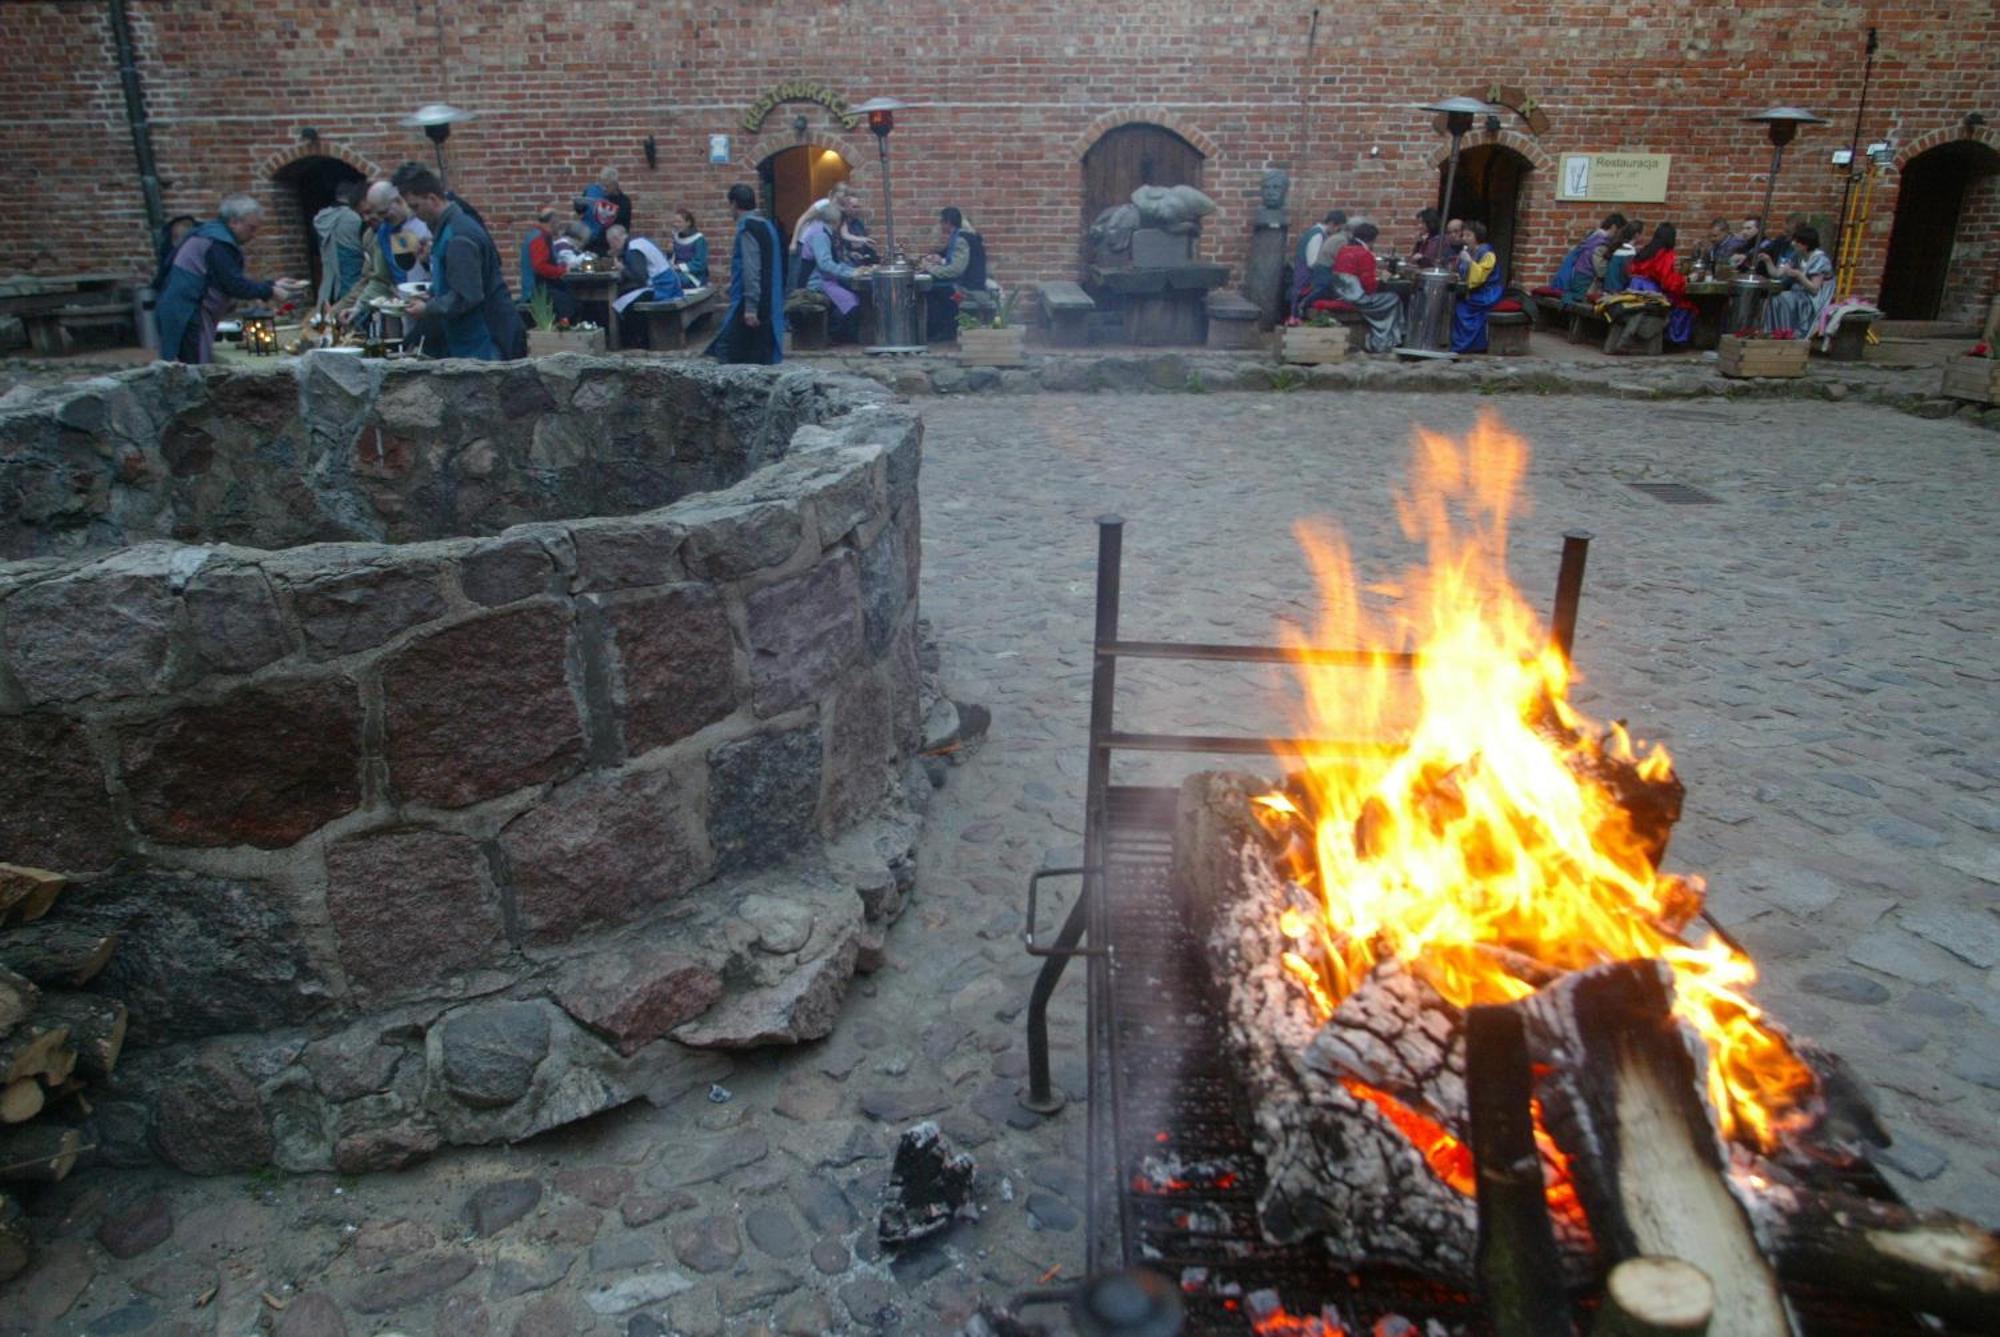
(441, 840)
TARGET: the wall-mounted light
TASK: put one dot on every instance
(652, 148)
(800, 125)
(308, 135)
(1492, 125)
(1974, 119)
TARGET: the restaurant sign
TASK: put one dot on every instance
(799, 90)
(1622, 178)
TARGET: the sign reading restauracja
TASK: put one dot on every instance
(799, 90)
(1623, 178)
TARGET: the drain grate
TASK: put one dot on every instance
(1675, 494)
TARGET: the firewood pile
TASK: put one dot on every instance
(54, 1041)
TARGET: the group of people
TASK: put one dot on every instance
(1335, 265)
(601, 226)
(1611, 259)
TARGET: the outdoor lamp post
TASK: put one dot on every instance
(1783, 125)
(1459, 114)
(881, 113)
(436, 119)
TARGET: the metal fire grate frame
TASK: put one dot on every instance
(1161, 1095)
(1676, 494)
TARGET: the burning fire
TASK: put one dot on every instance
(1485, 852)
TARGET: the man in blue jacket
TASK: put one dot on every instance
(205, 275)
(754, 328)
(469, 297)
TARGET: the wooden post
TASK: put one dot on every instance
(1520, 1273)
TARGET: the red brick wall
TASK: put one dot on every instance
(1006, 95)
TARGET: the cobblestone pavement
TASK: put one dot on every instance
(1817, 648)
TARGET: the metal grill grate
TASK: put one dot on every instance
(1675, 494)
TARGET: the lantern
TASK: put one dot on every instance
(260, 331)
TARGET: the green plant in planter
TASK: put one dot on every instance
(542, 307)
(1003, 315)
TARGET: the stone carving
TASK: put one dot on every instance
(1175, 209)
(1272, 194)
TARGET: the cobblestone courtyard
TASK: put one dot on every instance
(1817, 649)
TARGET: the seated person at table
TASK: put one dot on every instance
(569, 244)
(1428, 250)
(690, 247)
(542, 271)
(1618, 259)
(1808, 286)
(1653, 269)
(1723, 245)
(1354, 282)
(641, 266)
(1772, 254)
(1479, 266)
(818, 269)
(1312, 260)
(958, 267)
(1582, 270)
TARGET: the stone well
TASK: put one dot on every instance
(459, 750)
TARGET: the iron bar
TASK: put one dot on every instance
(1241, 747)
(1096, 817)
(1569, 589)
(1258, 654)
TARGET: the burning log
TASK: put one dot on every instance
(1624, 1102)
(1933, 1261)
(1656, 1297)
(56, 955)
(1520, 1272)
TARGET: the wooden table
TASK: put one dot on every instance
(598, 287)
(43, 302)
(1711, 308)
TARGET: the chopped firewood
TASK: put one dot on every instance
(1655, 1297)
(56, 955)
(40, 1152)
(1929, 1261)
(16, 1247)
(21, 1100)
(32, 1050)
(1520, 1273)
(1624, 1101)
(17, 998)
(96, 1028)
(27, 893)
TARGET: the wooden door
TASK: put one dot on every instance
(1132, 156)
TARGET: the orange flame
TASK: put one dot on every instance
(1479, 851)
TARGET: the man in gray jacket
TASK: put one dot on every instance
(338, 228)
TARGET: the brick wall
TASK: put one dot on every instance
(1006, 97)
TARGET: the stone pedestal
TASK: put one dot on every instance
(1264, 275)
(1232, 321)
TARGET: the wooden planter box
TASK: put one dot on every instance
(1745, 358)
(1314, 345)
(985, 347)
(543, 342)
(1973, 378)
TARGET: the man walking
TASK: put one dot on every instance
(205, 275)
(469, 296)
(754, 328)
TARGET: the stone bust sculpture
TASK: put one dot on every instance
(1271, 207)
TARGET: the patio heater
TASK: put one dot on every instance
(436, 119)
(894, 286)
(1782, 124)
(1459, 114)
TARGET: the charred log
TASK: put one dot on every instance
(56, 955)
(17, 998)
(16, 1247)
(39, 1152)
(96, 1028)
(1520, 1273)
(1624, 1102)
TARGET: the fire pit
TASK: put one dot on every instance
(1423, 1033)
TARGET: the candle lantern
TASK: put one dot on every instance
(260, 331)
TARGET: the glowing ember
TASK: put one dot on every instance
(1484, 852)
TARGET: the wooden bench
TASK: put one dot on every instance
(1637, 330)
(1582, 322)
(806, 320)
(1067, 309)
(1507, 333)
(669, 323)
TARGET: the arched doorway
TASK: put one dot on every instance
(1938, 204)
(791, 179)
(304, 187)
(1130, 156)
(1492, 182)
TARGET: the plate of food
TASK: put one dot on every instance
(229, 329)
(414, 289)
(390, 304)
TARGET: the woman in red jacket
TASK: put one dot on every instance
(1654, 269)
